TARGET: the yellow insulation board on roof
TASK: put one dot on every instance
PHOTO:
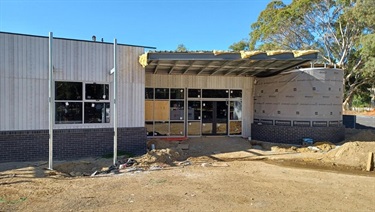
(276, 52)
(299, 53)
(218, 52)
(143, 60)
(247, 54)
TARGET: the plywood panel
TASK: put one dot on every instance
(161, 110)
(149, 108)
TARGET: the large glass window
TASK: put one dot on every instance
(78, 102)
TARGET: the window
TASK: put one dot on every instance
(236, 94)
(97, 91)
(161, 93)
(78, 102)
(211, 93)
(68, 91)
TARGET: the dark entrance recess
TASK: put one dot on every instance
(214, 118)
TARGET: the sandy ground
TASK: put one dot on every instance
(203, 174)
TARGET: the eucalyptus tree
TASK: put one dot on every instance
(343, 31)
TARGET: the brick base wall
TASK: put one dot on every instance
(69, 143)
(294, 134)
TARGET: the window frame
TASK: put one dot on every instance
(83, 101)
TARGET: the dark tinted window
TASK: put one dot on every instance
(68, 90)
(149, 93)
(177, 93)
(68, 112)
(210, 93)
(97, 112)
(97, 91)
(194, 110)
(161, 93)
(236, 93)
(194, 93)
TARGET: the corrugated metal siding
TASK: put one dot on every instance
(23, 82)
(24, 78)
(131, 88)
(213, 82)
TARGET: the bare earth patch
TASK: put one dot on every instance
(202, 174)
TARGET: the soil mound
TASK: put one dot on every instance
(163, 156)
(83, 167)
(325, 145)
(351, 154)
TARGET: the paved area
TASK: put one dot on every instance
(365, 122)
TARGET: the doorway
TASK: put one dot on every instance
(214, 117)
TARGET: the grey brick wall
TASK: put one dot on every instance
(69, 143)
(294, 134)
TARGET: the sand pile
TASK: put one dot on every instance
(325, 146)
(317, 147)
(164, 156)
(352, 154)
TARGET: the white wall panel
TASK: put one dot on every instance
(24, 78)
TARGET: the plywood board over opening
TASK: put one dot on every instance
(161, 110)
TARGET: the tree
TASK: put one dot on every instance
(181, 48)
(241, 45)
(343, 31)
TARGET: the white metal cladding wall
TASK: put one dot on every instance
(131, 88)
(24, 79)
(213, 82)
(23, 82)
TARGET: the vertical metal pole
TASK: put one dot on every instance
(115, 101)
(50, 103)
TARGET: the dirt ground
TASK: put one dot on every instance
(202, 174)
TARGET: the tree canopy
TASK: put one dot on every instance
(343, 31)
(181, 48)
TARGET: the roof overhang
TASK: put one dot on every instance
(218, 63)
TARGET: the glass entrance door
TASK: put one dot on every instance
(214, 118)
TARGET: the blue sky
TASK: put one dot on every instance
(199, 25)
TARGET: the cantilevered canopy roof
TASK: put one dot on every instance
(220, 63)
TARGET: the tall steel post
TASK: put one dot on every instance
(115, 101)
(50, 101)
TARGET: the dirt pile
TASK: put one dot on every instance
(352, 154)
(277, 147)
(162, 156)
(82, 167)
